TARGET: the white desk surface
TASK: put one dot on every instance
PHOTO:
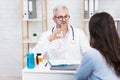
(45, 70)
(44, 73)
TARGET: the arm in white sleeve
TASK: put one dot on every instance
(84, 42)
(43, 44)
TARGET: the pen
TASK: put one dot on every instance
(65, 65)
(46, 64)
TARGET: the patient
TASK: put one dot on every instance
(102, 62)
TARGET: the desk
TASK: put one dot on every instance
(40, 74)
(44, 73)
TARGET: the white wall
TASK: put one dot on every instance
(10, 38)
(10, 29)
(111, 7)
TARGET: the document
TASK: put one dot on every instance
(118, 27)
(86, 9)
(25, 9)
(32, 12)
(63, 64)
(96, 6)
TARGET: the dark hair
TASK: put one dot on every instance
(104, 37)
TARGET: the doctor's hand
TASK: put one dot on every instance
(55, 35)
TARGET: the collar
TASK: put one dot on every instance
(69, 28)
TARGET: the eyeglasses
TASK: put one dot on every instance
(63, 17)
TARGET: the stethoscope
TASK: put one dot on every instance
(72, 32)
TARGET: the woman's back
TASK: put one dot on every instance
(101, 70)
(104, 62)
(94, 67)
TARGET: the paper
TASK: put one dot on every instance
(66, 68)
(62, 62)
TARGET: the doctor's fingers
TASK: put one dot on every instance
(53, 37)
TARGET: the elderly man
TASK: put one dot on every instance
(62, 41)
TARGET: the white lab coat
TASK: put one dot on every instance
(63, 48)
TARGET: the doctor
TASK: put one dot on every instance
(63, 41)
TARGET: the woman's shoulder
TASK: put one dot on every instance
(93, 54)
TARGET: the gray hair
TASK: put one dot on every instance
(60, 7)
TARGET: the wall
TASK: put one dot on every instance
(110, 6)
(10, 38)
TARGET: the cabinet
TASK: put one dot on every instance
(33, 22)
(91, 7)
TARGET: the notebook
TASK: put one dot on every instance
(63, 65)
